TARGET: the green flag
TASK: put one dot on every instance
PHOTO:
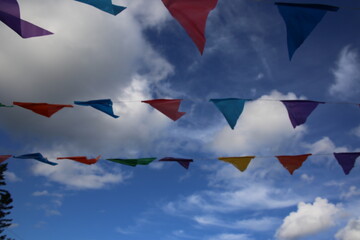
(132, 162)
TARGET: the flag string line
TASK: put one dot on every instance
(247, 99)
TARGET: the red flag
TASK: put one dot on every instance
(82, 159)
(44, 109)
(4, 157)
(291, 163)
(192, 15)
(169, 107)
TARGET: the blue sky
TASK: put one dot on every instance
(143, 53)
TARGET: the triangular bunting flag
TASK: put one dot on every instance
(2, 105)
(44, 109)
(347, 160)
(231, 108)
(103, 105)
(291, 163)
(169, 107)
(82, 159)
(36, 156)
(300, 20)
(10, 15)
(240, 163)
(299, 110)
(104, 5)
(182, 161)
(132, 162)
(192, 16)
(3, 158)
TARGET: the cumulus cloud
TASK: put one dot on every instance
(263, 125)
(76, 176)
(350, 232)
(347, 74)
(356, 131)
(353, 191)
(231, 236)
(254, 224)
(309, 219)
(11, 177)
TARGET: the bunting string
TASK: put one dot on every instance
(346, 160)
(231, 108)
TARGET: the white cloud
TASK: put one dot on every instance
(255, 197)
(254, 224)
(40, 193)
(324, 146)
(309, 219)
(347, 74)
(353, 191)
(263, 125)
(231, 236)
(11, 177)
(307, 178)
(356, 131)
(78, 176)
(350, 232)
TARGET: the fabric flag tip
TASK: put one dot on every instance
(10, 16)
(169, 107)
(3, 158)
(300, 21)
(231, 108)
(293, 162)
(299, 110)
(132, 162)
(82, 159)
(104, 5)
(192, 16)
(182, 161)
(240, 163)
(43, 109)
(36, 156)
(347, 160)
(103, 105)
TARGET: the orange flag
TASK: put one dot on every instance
(169, 107)
(240, 163)
(3, 158)
(44, 109)
(82, 159)
(291, 163)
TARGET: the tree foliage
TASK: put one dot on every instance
(5, 204)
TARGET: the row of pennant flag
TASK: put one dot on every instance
(300, 19)
(231, 108)
(290, 162)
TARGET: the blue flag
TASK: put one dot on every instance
(231, 108)
(300, 20)
(104, 5)
(103, 105)
(36, 156)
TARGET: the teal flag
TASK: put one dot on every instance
(231, 108)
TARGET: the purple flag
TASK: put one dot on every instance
(10, 15)
(347, 160)
(299, 110)
(182, 161)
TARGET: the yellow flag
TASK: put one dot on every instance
(240, 163)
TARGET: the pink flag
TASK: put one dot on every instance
(44, 109)
(192, 15)
(82, 159)
(291, 163)
(169, 107)
(3, 158)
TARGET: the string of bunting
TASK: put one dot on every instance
(300, 19)
(231, 108)
(290, 162)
